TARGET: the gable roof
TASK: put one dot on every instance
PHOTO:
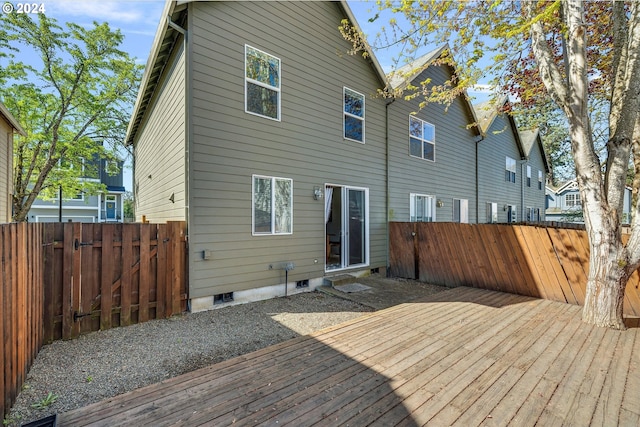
(4, 112)
(531, 138)
(402, 77)
(169, 29)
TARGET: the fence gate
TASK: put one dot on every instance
(99, 276)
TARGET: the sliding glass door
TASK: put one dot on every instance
(346, 226)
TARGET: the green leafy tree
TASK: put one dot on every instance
(129, 207)
(584, 57)
(74, 103)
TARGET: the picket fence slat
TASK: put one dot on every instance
(541, 261)
(62, 279)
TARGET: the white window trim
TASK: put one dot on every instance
(412, 206)
(273, 206)
(492, 214)
(540, 180)
(464, 214)
(510, 165)
(256, 82)
(423, 139)
(364, 111)
(528, 176)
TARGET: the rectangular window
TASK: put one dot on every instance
(422, 139)
(492, 213)
(262, 83)
(512, 216)
(272, 207)
(353, 115)
(572, 200)
(540, 180)
(461, 210)
(422, 208)
(528, 176)
(510, 170)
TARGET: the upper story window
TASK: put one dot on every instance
(272, 205)
(528, 176)
(353, 115)
(571, 200)
(422, 208)
(422, 139)
(510, 170)
(540, 180)
(262, 83)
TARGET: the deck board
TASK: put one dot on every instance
(462, 357)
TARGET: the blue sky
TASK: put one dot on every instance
(139, 19)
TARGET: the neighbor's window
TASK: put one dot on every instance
(422, 208)
(353, 115)
(461, 210)
(571, 200)
(540, 180)
(492, 213)
(262, 83)
(510, 170)
(272, 205)
(528, 176)
(422, 139)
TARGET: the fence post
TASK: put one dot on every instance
(177, 233)
(106, 277)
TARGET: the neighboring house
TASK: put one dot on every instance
(81, 207)
(512, 168)
(8, 126)
(258, 131)
(564, 204)
(432, 150)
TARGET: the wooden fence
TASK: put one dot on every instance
(21, 302)
(60, 280)
(544, 262)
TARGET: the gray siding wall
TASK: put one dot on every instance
(6, 169)
(533, 196)
(159, 169)
(499, 143)
(452, 175)
(307, 145)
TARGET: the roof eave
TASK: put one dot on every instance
(141, 105)
(12, 120)
(370, 55)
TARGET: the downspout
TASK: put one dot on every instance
(387, 197)
(523, 177)
(478, 141)
(188, 131)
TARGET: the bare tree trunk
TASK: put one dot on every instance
(608, 275)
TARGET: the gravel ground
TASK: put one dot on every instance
(107, 363)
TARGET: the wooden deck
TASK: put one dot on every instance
(464, 357)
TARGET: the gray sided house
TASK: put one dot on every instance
(564, 204)
(254, 126)
(512, 168)
(85, 207)
(8, 126)
(432, 150)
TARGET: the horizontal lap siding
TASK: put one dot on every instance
(6, 146)
(230, 145)
(499, 142)
(534, 197)
(160, 149)
(452, 175)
